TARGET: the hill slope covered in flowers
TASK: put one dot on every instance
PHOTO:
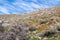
(41, 24)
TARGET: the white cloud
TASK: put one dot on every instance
(22, 6)
(2, 9)
(34, 5)
(50, 2)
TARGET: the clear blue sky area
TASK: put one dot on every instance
(20, 6)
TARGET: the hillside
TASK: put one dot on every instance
(42, 24)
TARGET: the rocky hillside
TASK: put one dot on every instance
(42, 24)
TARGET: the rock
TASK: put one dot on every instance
(5, 24)
(48, 34)
(43, 22)
(0, 21)
(1, 28)
(58, 28)
(32, 28)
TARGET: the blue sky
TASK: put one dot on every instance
(21, 6)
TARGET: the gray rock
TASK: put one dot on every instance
(48, 34)
(58, 27)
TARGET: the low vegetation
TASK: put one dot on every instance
(37, 25)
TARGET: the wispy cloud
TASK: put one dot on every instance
(2, 9)
(19, 6)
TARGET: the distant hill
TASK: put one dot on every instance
(41, 22)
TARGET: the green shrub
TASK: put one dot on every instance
(6, 28)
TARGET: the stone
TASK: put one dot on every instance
(32, 28)
(48, 34)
